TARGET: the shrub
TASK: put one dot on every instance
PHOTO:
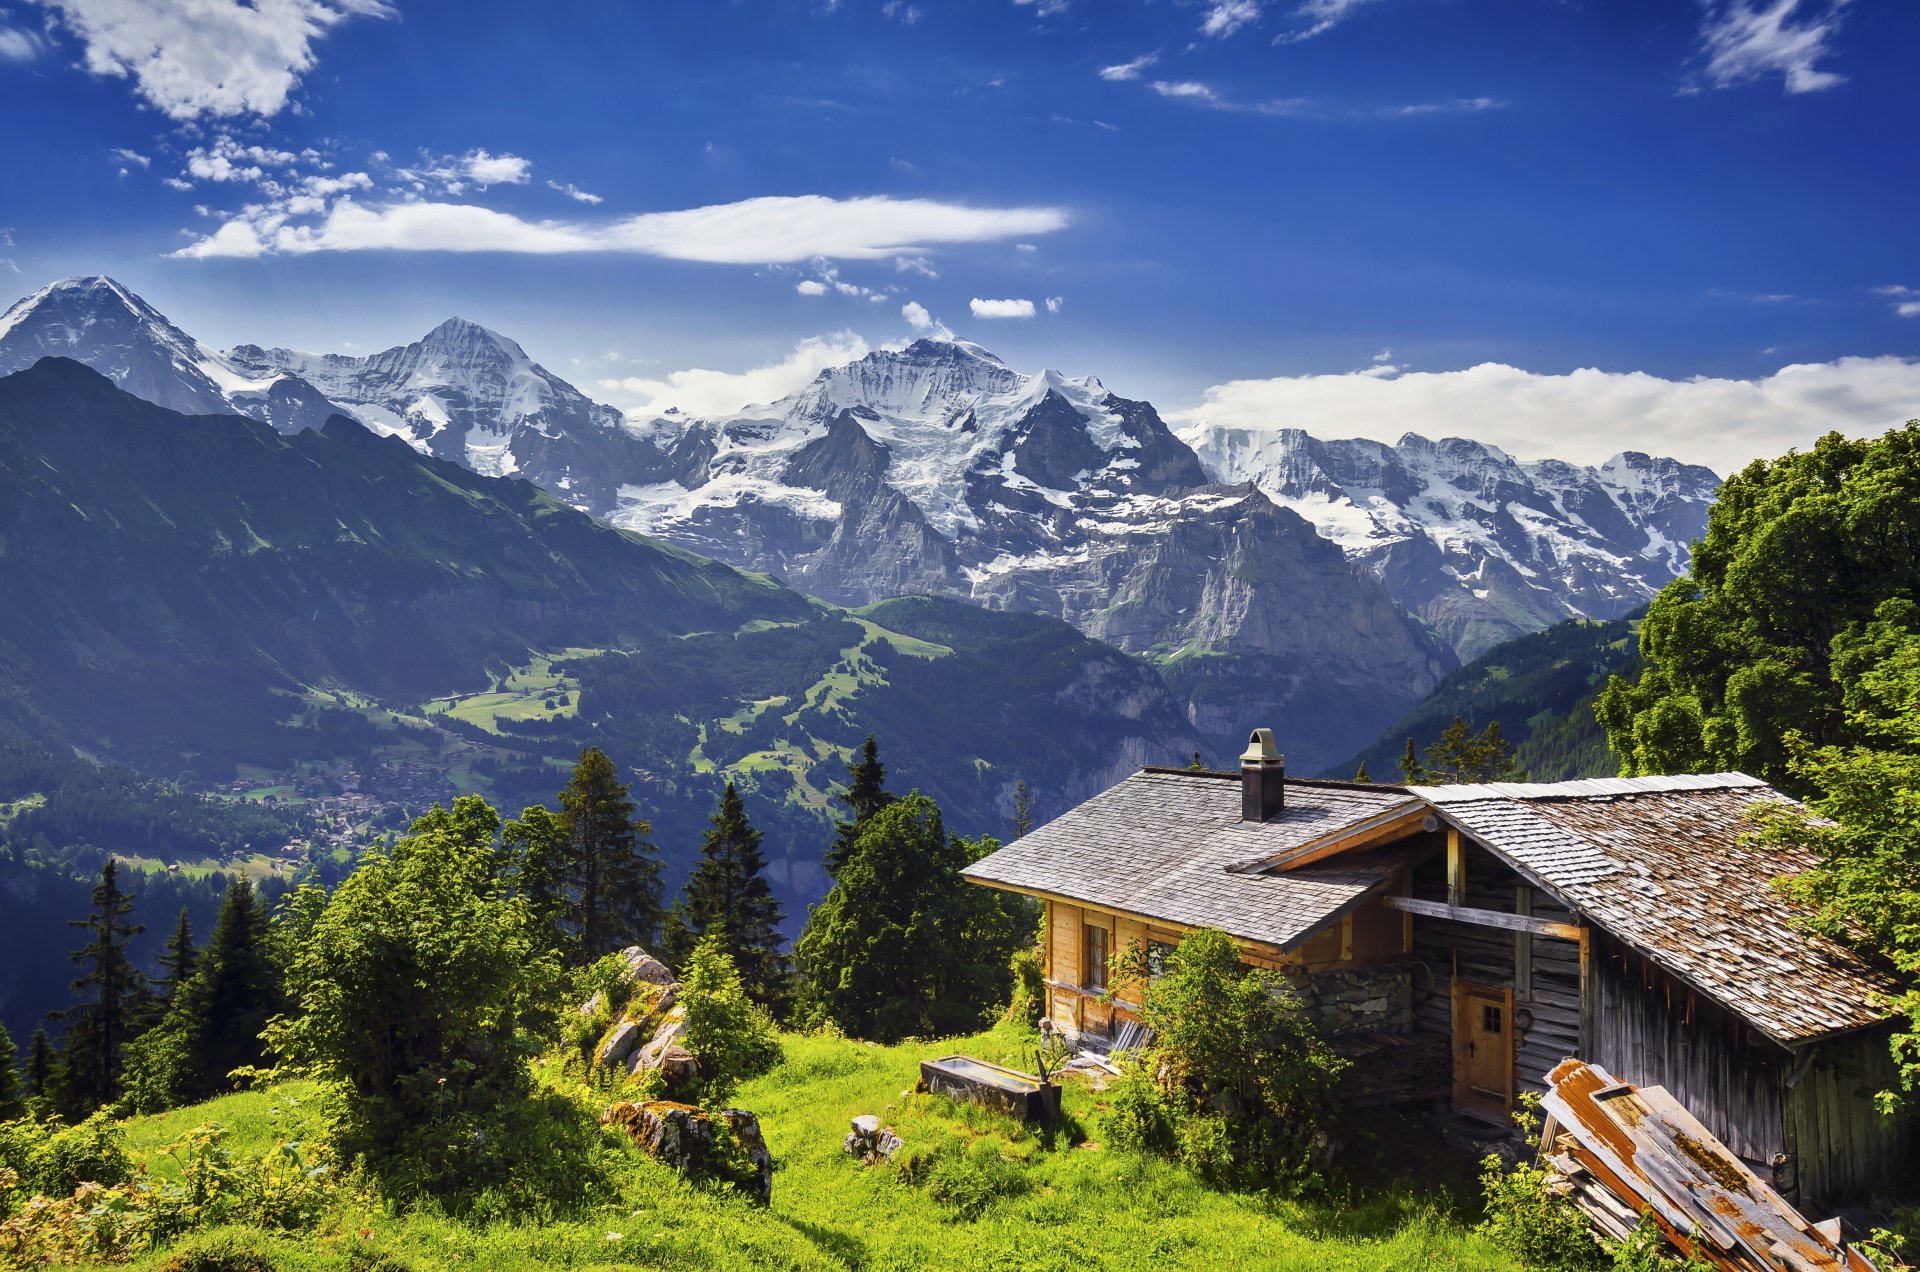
(51, 1159)
(730, 1036)
(967, 1183)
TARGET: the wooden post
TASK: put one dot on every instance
(1456, 869)
(1587, 991)
(1523, 946)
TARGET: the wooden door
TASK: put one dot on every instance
(1483, 1051)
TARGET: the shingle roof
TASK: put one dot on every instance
(1661, 867)
(1159, 844)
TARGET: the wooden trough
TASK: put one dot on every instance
(1620, 1152)
(993, 1086)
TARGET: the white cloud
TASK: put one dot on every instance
(20, 46)
(701, 392)
(917, 316)
(1224, 17)
(1055, 304)
(810, 287)
(1742, 43)
(915, 265)
(1129, 70)
(1584, 416)
(1184, 88)
(1001, 308)
(452, 174)
(176, 183)
(125, 156)
(907, 13)
(189, 58)
(574, 192)
(490, 170)
(769, 230)
(1045, 8)
(1906, 300)
(1317, 17)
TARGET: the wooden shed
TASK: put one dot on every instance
(1459, 941)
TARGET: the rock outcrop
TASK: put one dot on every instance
(727, 1145)
(645, 1035)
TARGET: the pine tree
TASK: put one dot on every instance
(1410, 770)
(1460, 757)
(218, 1013)
(1022, 808)
(179, 958)
(102, 1023)
(613, 872)
(538, 853)
(729, 897)
(866, 794)
(40, 1065)
(1360, 774)
(13, 1101)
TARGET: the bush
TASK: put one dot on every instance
(967, 1183)
(52, 1160)
(729, 1035)
(1528, 1221)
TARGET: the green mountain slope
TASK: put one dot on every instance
(1539, 687)
(330, 614)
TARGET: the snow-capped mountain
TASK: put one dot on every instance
(471, 395)
(938, 468)
(99, 322)
(1482, 546)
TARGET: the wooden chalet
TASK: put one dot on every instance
(1460, 941)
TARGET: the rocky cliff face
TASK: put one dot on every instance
(1480, 545)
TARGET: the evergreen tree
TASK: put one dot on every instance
(13, 1101)
(40, 1065)
(219, 1012)
(902, 944)
(1360, 774)
(612, 871)
(102, 1023)
(179, 958)
(538, 853)
(1460, 757)
(866, 794)
(1195, 765)
(1022, 808)
(1410, 770)
(729, 897)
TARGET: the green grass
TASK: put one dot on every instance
(521, 695)
(1055, 1201)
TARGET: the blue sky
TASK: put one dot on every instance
(1320, 212)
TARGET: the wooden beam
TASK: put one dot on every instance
(1485, 918)
(1395, 823)
(1523, 945)
(1456, 868)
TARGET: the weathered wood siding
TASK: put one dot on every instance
(1839, 1147)
(1447, 951)
(1651, 1030)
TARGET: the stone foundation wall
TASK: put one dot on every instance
(1376, 999)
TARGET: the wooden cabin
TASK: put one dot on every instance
(1459, 941)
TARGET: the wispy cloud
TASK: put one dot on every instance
(1192, 90)
(1226, 17)
(1001, 308)
(1580, 416)
(574, 192)
(923, 322)
(1203, 94)
(769, 230)
(453, 174)
(1045, 8)
(20, 46)
(1317, 17)
(1906, 300)
(1129, 70)
(1742, 42)
(189, 58)
(698, 391)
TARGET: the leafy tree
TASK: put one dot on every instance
(13, 1101)
(100, 1029)
(730, 1036)
(537, 852)
(1022, 809)
(728, 899)
(1239, 1085)
(903, 944)
(612, 870)
(219, 1013)
(409, 980)
(1748, 648)
(1457, 756)
(866, 794)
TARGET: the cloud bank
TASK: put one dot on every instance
(768, 230)
(1585, 416)
(698, 391)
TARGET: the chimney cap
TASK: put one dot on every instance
(1262, 749)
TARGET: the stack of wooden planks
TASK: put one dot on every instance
(1620, 1152)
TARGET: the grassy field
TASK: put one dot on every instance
(970, 1189)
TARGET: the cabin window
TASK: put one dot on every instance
(1159, 959)
(1094, 974)
(1490, 1019)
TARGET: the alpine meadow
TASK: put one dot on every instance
(893, 634)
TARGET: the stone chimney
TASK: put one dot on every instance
(1263, 778)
